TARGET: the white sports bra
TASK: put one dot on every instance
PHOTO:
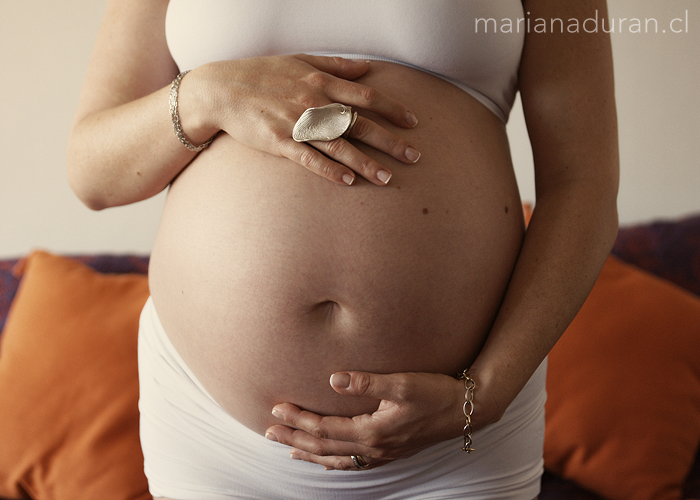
(449, 38)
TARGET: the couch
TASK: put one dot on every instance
(623, 409)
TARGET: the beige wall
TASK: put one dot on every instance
(44, 51)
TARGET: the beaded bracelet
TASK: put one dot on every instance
(468, 409)
(174, 88)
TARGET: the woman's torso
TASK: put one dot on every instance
(269, 278)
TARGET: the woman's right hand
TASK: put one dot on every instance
(257, 101)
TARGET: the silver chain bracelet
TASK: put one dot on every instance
(468, 409)
(174, 88)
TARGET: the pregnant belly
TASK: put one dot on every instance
(268, 278)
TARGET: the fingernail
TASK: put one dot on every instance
(411, 119)
(340, 380)
(276, 413)
(348, 179)
(271, 437)
(412, 155)
(361, 61)
(293, 455)
(384, 176)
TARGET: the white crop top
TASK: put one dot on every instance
(448, 38)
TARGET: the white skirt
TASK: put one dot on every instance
(194, 450)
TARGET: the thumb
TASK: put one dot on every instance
(369, 385)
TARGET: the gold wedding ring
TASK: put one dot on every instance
(359, 462)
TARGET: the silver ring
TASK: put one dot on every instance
(325, 123)
(359, 462)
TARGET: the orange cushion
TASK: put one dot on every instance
(623, 408)
(68, 385)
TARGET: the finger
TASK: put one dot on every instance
(302, 440)
(341, 67)
(313, 160)
(329, 463)
(381, 139)
(339, 428)
(343, 462)
(347, 154)
(372, 385)
(362, 96)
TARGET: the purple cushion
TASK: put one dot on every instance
(668, 249)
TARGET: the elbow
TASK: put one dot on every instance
(83, 178)
(600, 195)
(603, 216)
(83, 186)
(88, 198)
(610, 220)
(92, 203)
(611, 224)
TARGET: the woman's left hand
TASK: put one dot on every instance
(416, 410)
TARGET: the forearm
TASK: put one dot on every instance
(124, 149)
(570, 235)
(127, 153)
(567, 91)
